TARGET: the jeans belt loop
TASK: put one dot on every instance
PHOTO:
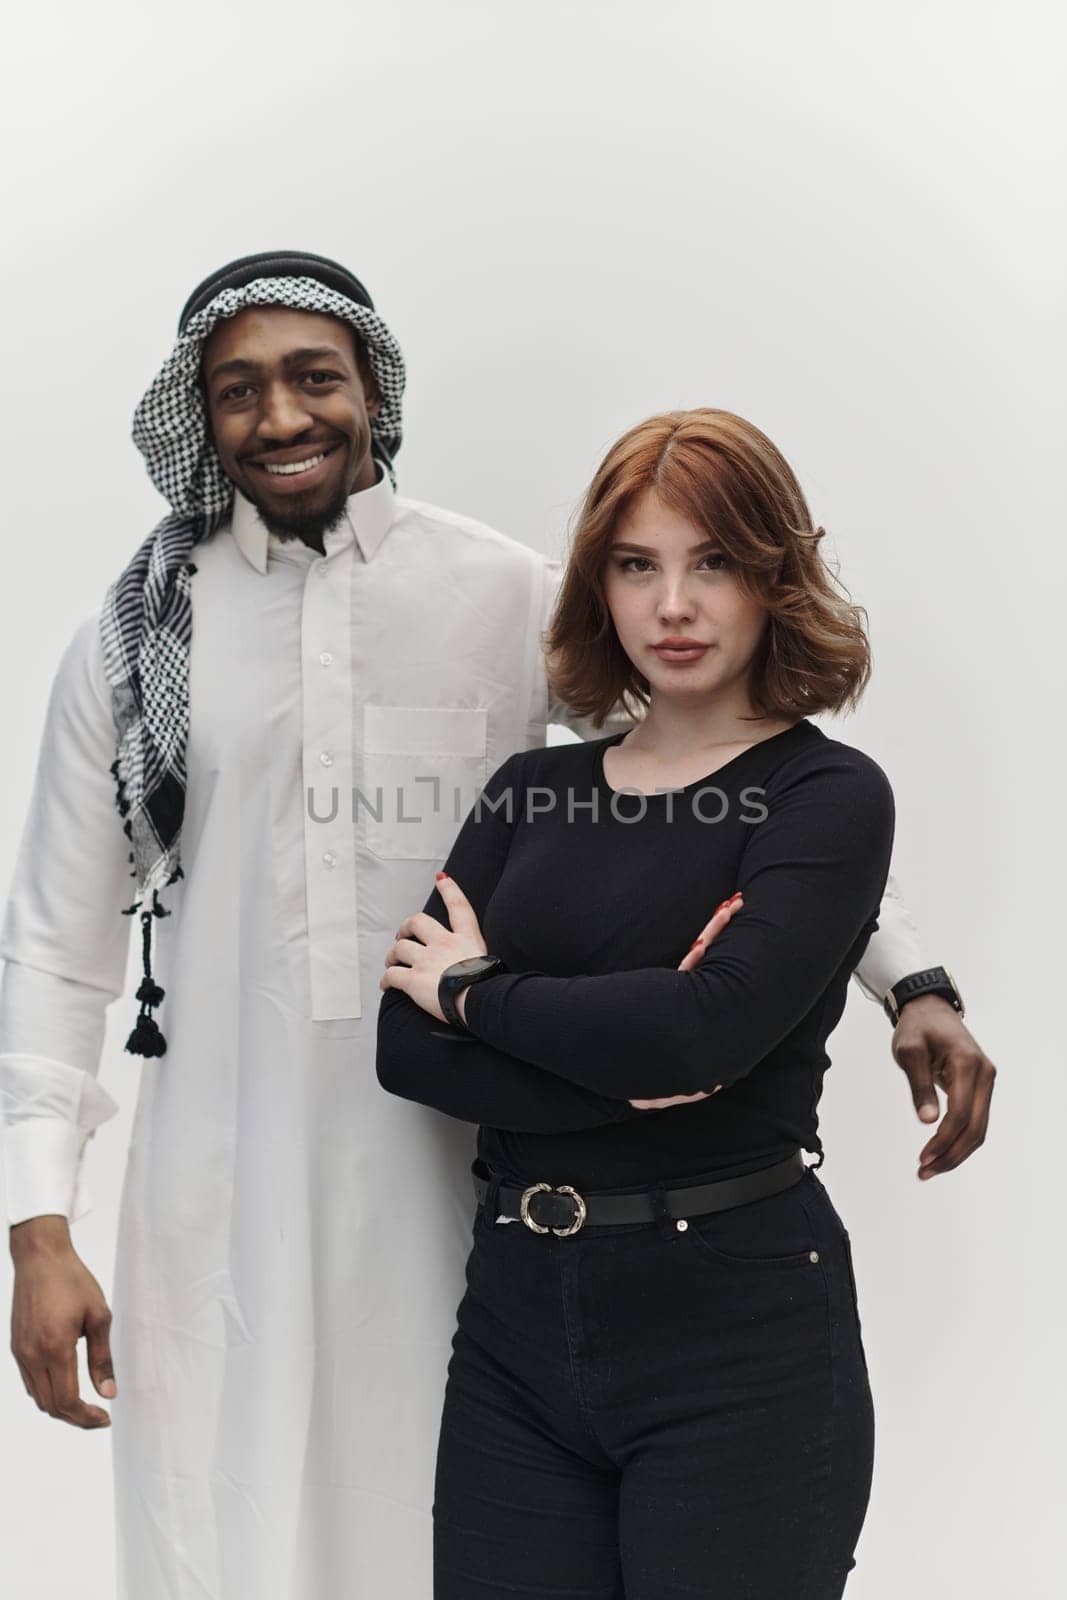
(661, 1210)
(491, 1203)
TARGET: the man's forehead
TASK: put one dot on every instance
(264, 335)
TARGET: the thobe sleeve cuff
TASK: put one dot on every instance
(895, 949)
(48, 1113)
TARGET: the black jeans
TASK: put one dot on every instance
(652, 1413)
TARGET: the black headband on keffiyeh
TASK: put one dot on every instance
(147, 618)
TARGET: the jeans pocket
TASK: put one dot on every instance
(772, 1233)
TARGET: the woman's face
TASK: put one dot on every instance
(679, 612)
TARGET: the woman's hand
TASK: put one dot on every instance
(424, 948)
(692, 957)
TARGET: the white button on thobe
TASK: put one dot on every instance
(291, 1238)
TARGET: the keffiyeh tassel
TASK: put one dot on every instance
(146, 1038)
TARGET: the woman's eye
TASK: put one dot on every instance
(714, 562)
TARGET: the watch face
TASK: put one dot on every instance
(472, 964)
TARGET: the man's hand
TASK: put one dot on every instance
(57, 1300)
(935, 1050)
(693, 956)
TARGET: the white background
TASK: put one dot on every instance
(842, 221)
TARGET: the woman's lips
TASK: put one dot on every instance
(680, 654)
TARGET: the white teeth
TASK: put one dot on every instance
(297, 466)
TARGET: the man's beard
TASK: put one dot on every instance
(308, 525)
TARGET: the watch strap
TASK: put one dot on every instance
(931, 980)
(454, 980)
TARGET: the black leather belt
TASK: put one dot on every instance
(563, 1211)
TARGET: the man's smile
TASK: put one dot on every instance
(294, 469)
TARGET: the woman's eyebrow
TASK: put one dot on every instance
(646, 550)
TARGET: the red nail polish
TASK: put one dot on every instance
(440, 875)
(734, 897)
(698, 944)
(721, 906)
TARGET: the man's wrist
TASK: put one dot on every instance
(929, 1005)
(39, 1236)
(930, 982)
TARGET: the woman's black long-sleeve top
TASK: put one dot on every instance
(592, 897)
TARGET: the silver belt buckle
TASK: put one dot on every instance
(580, 1211)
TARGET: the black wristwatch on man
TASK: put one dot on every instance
(459, 976)
(932, 980)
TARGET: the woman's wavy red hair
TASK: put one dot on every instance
(730, 481)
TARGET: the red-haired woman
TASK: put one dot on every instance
(657, 1386)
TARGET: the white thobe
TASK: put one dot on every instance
(291, 1238)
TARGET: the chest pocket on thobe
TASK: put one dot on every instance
(422, 769)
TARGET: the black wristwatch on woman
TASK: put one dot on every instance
(459, 976)
(932, 980)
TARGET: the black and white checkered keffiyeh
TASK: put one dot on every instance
(147, 617)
